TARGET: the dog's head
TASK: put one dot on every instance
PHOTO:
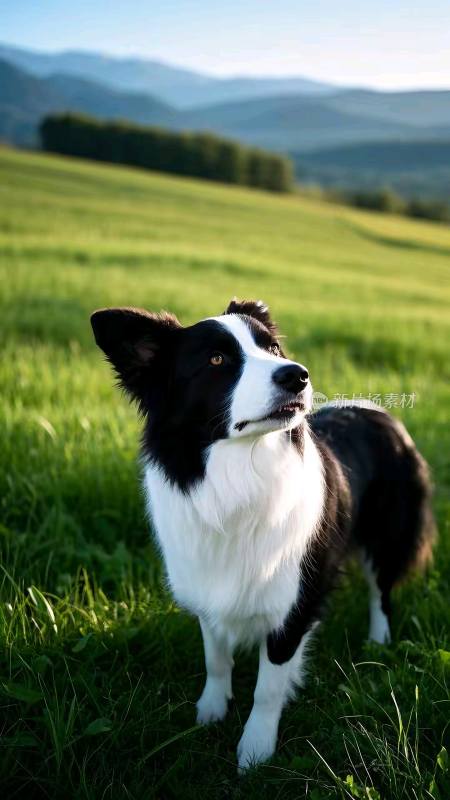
(225, 377)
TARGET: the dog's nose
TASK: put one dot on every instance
(292, 377)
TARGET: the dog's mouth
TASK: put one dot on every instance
(284, 412)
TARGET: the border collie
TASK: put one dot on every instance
(254, 506)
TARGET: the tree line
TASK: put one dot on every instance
(387, 200)
(201, 155)
(383, 199)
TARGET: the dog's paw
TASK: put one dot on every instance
(213, 704)
(257, 745)
(379, 628)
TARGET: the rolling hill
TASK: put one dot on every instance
(421, 108)
(293, 122)
(101, 101)
(385, 156)
(24, 100)
(412, 169)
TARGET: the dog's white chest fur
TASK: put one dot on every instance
(233, 546)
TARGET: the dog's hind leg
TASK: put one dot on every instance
(379, 606)
(213, 703)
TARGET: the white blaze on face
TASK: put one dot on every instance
(256, 393)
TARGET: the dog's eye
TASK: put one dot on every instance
(216, 359)
(275, 349)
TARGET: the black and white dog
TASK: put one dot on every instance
(254, 507)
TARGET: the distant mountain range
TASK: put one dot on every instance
(288, 123)
(178, 87)
(383, 157)
(297, 122)
(24, 100)
(344, 138)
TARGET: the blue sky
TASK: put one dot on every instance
(383, 43)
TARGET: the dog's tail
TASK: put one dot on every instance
(428, 531)
(421, 552)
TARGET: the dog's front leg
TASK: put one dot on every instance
(213, 703)
(276, 684)
(258, 742)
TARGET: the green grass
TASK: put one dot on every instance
(99, 669)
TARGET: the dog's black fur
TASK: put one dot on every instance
(377, 504)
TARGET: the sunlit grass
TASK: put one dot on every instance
(99, 669)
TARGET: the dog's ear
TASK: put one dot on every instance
(137, 344)
(256, 309)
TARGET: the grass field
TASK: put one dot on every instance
(99, 670)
